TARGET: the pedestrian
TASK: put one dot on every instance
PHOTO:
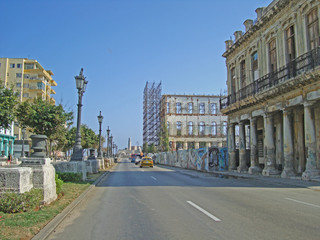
(9, 158)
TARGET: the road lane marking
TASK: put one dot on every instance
(153, 178)
(309, 204)
(204, 211)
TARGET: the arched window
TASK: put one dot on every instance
(178, 107)
(213, 108)
(201, 128)
(190, 107)
(179, 128)
(201, 108)
(190, 128)
(224, 128)
(214, 129)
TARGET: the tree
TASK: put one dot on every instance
(8, 103)
(45, 119)
(145, 148)
(164, 138)
(152, 148)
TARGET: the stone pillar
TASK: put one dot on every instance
(208, 144)
(196, 145)
(185, 145)
(310, 144)
(242, 148)
(254, 161)
(232, 147)
(279, 142)
(288, 170)
(269, 147)
(174, 147)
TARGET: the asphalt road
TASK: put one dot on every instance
(165, 203)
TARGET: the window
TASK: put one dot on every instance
(29, 66)
(18, 75)
(179, 128)
(168, 107)
(224, 128)
(26, 95)
(168, 126)
(18, 84)
(201, 128)
(18, 65)
(272, 55)
(41, 86)
(201, 108)
(254, 66)
(190, 107)
(213, 108)
(243, 74)
(313, 29)
(291, 51)
(214, 129)
(190, 128)
(233, 80)
(26, 85)
(178, 107)
(26, 75)
(11, 65)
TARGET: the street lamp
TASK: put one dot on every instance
(100, 118)
(81, 85)
(108, 141)
(111, 145)
(23, 130)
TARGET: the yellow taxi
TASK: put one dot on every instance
(146, 162)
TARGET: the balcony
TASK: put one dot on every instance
(293, 69)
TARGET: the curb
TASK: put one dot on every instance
(53, 224)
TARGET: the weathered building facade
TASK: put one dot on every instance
(193, 121)
(274, 91)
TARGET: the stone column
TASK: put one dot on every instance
(269, 147)
(288, 170)
(232, 147)
(208, 144)
(310, 144)
(279, 142)
(185, 145)
(242, 148)
(174, 147)
(196, 145)
(254, 161)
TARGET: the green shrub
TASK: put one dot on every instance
(59, 183)
(20, 202)
(70, 177)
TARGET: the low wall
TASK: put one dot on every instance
(196, 159)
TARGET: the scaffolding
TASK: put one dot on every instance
(151, 113)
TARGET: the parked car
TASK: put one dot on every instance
(146, 162)
(137, 160)
(133, 157)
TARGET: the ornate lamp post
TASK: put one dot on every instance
(111, 145)
(113, 148)
(23, 130)
(81, 85)
(108, 141)
(100, 118)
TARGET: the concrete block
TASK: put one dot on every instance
(17, 180)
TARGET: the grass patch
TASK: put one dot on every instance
(23, 226)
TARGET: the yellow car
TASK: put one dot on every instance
(146, 162)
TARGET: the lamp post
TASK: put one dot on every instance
(111, 145)
(81, 85)
(100, 118)
(108, 141)
(23, 130)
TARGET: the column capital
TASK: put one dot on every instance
(308, 103)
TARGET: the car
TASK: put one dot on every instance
(146, 162)
(133, 157)
(137, 160)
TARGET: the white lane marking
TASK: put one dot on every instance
(204, 211)
(153, 178)
(309, 204)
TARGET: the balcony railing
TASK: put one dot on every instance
(296, 67)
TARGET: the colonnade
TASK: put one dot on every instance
(277, 144)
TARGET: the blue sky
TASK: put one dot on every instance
(122, 44)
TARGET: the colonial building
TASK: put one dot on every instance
(6, 142)
(29, 79)
(193, 121)
(274, 91)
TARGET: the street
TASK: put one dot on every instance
(167, 203)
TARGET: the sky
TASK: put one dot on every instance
(122, 44)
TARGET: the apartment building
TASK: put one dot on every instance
(274, 91)
(29, 79)
(193, 121)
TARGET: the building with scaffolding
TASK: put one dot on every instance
(151, 113)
